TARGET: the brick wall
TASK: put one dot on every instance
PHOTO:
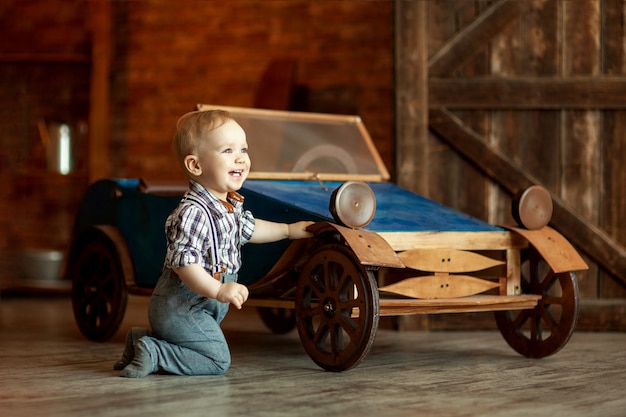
(168, 56)
(172, 55)
(44, 76)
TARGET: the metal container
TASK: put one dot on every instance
(41, 264)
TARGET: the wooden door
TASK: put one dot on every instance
(494, 96)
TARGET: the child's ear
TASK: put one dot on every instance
(192, 165)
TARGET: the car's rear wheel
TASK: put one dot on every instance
(99, 293)
(278, 320)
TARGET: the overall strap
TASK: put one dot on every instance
(217, 270)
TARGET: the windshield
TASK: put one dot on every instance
(297, 145)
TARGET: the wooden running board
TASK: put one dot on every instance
(475, 303)
(403, 307)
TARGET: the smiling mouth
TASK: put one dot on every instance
(236, 173)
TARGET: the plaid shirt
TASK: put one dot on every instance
(190, 238)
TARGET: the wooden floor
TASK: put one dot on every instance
(48, 369)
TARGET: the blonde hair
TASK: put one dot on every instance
(192, 127)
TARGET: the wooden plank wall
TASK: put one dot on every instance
(577, 153)
(613, 133)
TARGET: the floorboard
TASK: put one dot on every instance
(47, 368)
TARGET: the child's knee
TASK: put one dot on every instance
(209, 365)
(222, 365)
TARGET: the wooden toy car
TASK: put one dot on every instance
(377, 250)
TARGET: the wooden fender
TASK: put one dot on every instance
(369, 248)
(554, 248)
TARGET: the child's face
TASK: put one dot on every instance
(223, 159)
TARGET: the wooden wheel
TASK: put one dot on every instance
(337, 308)
(278, 320)
(544, 330)
(99, 293)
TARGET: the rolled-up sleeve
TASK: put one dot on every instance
(187, 236)
(247, 226)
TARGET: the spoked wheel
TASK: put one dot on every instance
(99, 293)
(278, 320)
(545, 329)
(337, 308)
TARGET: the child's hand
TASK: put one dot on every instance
(298, 230)
(234, 293)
